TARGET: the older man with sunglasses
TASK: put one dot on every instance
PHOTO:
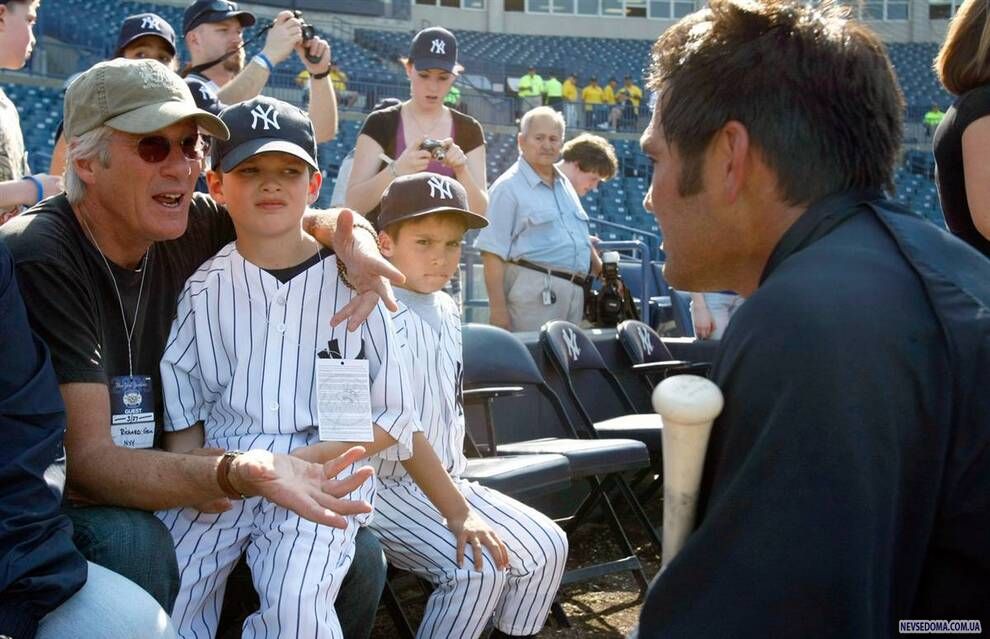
(100, 268)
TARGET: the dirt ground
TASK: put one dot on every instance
(606, 608)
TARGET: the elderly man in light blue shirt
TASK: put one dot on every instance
(535, 249)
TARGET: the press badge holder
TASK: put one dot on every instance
(549, 297)
(343, 400)
(132, 411)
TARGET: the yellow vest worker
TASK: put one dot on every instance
(553, 88)
(570, 90)
(530, 85)
(591, 95)
(635, 93)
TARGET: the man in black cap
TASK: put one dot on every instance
(218, 76)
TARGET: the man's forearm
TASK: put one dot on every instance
(323, 109)
(145, 479)
(322, 223)
(245, 85)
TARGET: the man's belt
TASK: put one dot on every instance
(580, 279)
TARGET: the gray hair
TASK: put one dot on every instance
(95, 143)
(542, 112)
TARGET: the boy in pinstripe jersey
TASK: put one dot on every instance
(240, 371)
(423, 219)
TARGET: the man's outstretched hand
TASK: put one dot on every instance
(310, 490)
(367, 271)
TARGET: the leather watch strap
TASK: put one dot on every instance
(223, 475)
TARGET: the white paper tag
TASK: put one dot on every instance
(343, 400)
(134, 430)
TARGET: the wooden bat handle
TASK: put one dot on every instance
(688, 405)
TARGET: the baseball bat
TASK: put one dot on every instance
(688, 405)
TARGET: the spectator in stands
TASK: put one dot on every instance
(141, 36)
(536, 251)
(531, 89)
(47, 589)
(453, 99)
(618, 112)
(19, 188)
(711, 312)
(592, 95)
(570, 94)
(932, 119)
(217, 75)
(390, 141)
(339, 79)
(962, 139)
(846, 483)
(587, 161)
(635, 93)
(553, 92)
(100, 269)
(609, 92)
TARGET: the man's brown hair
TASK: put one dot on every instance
(592, 154)
(963, 62)
(815, 91)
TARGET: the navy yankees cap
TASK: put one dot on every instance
(144, 24)
(264, 125)
(419, 194)
(202, 11)
(434, 48)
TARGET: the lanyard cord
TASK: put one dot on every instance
(129, 331)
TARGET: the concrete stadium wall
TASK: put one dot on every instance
(494, 19)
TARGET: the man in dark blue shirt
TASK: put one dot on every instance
(846, 485)
(42, 575)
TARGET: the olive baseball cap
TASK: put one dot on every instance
(419, 194)
(133, 96)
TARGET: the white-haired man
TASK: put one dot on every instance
(100, 268)
(536, 249)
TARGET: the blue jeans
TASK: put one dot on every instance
(356, 603)
(132, 543)
(110, 607)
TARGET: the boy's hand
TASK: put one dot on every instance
(309, 490)
(475, 531)
(367, 271)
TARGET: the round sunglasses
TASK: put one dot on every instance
(156, 148)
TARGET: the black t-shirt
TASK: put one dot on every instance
(70, 295)
(949, 174)
(383, 125)
(285, 274)
(847, 480)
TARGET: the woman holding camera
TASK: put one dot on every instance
(401, 140)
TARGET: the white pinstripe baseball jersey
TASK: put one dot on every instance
(241, 357)
(412, 530)
(435, 367)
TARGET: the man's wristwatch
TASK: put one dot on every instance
(223, 476)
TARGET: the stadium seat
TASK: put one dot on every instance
(494, 358)
(573, 354)
(649, 356)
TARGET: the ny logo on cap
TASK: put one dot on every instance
(151, 22)
(570, 340)
(438, 46)
(154, 75)
(440, 188)
(268, 116)
(644, 337)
